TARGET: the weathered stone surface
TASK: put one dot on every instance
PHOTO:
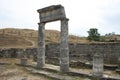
(98, 65)
(85, 52)
(51, 13)
(78, 52)
(64, 50)
(19, 53)
(35, 52)
(41, 46)
(24, 61)
(48, 14)
(64, 33)
(118, 69)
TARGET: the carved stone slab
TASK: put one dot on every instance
(51, 13)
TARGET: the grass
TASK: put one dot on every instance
(14, 70)
(18, 38)
(24, 38)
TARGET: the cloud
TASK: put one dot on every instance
(83, 14)
(110, 17)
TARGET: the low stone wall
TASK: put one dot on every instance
(18, 53)
(78, 52)
(85, 52)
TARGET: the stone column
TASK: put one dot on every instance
(41, 46)
(64, 50)
(98, 65)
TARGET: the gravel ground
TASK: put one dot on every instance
(13, 72)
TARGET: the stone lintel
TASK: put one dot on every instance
(51, 13)
(50, 8)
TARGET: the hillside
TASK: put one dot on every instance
(9, 41)
(22, 38)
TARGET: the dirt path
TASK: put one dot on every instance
(14, 72)
(31, 41)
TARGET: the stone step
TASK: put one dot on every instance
(54, 75)
(73, 71)
(79, 72)
(53, 71)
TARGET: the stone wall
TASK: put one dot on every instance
(18, 53)
(85, 52)
(78, 52)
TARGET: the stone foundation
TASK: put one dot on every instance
(77, 52)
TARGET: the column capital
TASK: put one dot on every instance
(41, 23)
(41, 45)
(38, 23)
(65, 19)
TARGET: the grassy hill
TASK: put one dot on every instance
(9, 41)
(22, 38)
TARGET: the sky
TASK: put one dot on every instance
(83, 15)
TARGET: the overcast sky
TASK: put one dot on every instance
(83, 15)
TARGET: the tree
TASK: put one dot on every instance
(93, 35)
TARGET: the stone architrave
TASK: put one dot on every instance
(98, 65)
(49, 14)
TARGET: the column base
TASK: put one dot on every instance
(64, 67)
(40, 63)
(99, 75)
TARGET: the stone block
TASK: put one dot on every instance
(51, 13)
(24, 61)
(97, 66)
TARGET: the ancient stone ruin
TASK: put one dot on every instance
(98, 65)
(90, 55)
(49, 14)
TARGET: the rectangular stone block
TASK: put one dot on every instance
(24, 61)
(51, 13)
(97, 66)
